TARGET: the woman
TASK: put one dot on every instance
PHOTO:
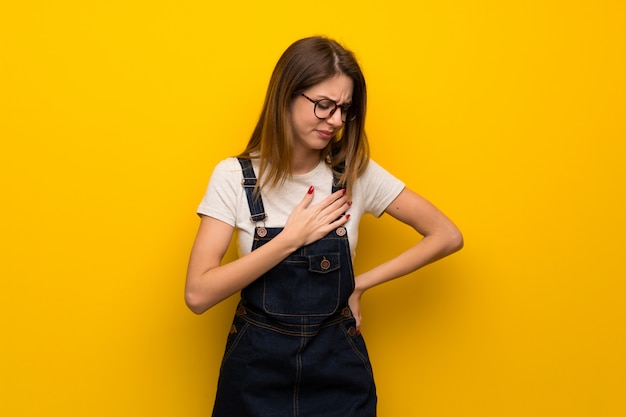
(295, 196)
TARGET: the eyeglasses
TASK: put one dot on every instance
(325, 108)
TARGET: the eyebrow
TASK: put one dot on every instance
(335, 101)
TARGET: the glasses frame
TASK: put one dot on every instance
(343, 111)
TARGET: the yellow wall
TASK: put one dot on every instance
(508, 115)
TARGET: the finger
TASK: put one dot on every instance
(308, 197)
(338, 212)
(340, 221)
(337, 195)
(334, 203)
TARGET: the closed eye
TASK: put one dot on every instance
(325, 104)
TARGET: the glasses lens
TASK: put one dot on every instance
(324, 108)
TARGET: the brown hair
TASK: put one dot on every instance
(304, 64)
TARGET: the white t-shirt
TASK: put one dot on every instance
(225, 198)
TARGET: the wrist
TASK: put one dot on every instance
(358, 287)
(288, 242)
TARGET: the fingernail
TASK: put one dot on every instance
(347, 216)
(344, 190)
(349, 203)
(358, 332)
(310, 190)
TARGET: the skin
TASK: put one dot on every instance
(208, 282)
(312, 135)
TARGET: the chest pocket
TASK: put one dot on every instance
(304, 286)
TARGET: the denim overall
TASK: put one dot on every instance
(293, 349)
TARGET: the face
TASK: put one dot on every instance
(311, 135)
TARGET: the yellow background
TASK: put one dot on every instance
(510, 116)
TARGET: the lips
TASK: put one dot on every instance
(325, 134)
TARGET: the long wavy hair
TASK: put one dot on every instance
(304, 64)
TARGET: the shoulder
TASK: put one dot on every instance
(223, 192)
(228, 166)
(225, 178)
(227, 170)
(376, 173)
(372, 167)
(377, 187)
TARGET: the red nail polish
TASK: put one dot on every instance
(347, 216)
(358, 332)
(310, 190)
(349, 203)
(344, 191)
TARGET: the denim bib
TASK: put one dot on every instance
(293, 349)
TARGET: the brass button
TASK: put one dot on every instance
(325, 264)
(261, 231)
(341, 231)
(346, 312)
(351, 331)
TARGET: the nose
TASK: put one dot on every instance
(335, 119)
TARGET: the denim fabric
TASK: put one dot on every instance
(293, 349)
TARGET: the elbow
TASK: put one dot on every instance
(450, 240)
(195, 303)
(455, 240)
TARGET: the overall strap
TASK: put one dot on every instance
(255, 203)
(338, 170)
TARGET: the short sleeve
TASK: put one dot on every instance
(220, 199)
(378, 188)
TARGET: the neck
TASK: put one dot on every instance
(303, 163)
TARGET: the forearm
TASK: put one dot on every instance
(428, 250)
(207, 288)
(209, 282)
